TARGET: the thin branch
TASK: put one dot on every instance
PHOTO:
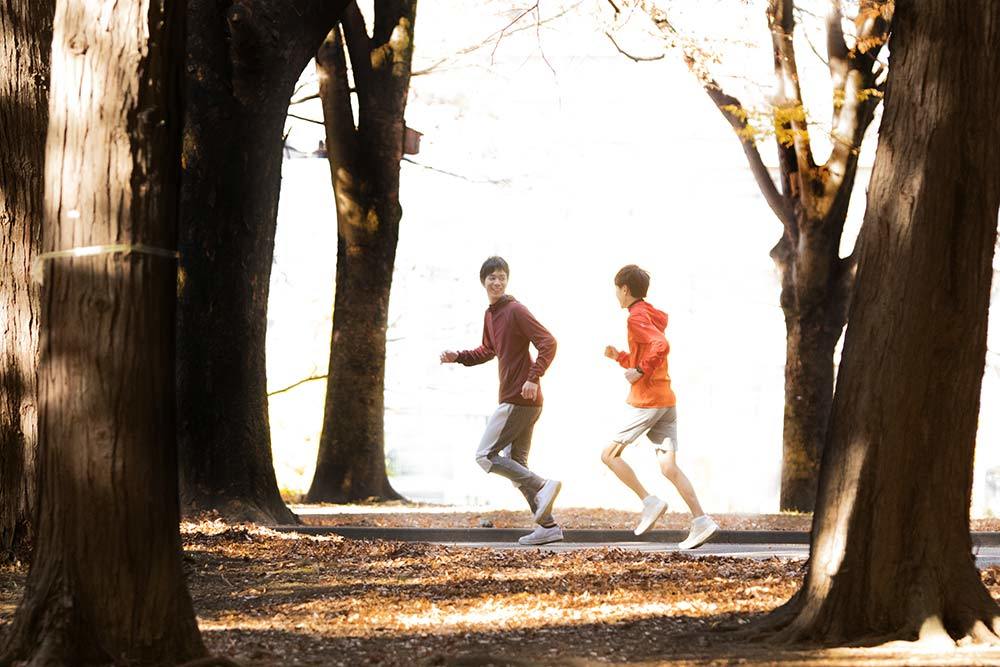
(314, 96)
(635, 58)
(308, 120)
(454, 175)
(296, 384)
(812, 14)
(812, 47)
(489, 40)
(300, 86)
(538, 38)
(503, 32)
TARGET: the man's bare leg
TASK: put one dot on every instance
(668, 466)
(611, 456)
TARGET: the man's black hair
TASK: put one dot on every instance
(492, 264)
(635, 278)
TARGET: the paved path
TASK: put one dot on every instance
(985, 556)
(738, 543)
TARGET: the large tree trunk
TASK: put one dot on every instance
(244, 58)
(106, 583)
(891, 551)
(25, 47)
(364, 166)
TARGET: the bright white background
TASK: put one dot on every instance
(569, 175)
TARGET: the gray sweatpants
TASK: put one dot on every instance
(504, 450)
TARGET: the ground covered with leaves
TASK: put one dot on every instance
(269, 598)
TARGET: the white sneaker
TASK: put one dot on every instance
(545, 497)
(652, 509)
(541, 535)
(702, 528)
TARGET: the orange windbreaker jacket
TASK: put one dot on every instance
(648, 350)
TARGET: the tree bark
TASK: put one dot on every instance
(25, 47)
(815, 294)
(364, 167)
(812, 205)
(891, 550)
(106, 583)
(244, 58)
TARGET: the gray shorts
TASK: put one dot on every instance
(659, 425)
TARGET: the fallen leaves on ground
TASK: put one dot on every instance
(269, 598)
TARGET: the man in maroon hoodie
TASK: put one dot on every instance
(507, 330)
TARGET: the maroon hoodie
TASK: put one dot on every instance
(507, 330)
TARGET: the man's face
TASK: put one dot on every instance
(496, 285)
(624, 296)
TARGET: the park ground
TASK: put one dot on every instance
(272, 598)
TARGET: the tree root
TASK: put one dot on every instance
(767, 627)
(211, 661)
(238, 511)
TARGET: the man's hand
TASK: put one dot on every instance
(633, 376)
(611, 352)
(529, 390)
(449, 357)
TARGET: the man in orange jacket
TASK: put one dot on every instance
(652, 407)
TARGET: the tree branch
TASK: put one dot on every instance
(489, 40)
(314, 96)
(308, 120)
(874, 17)
(359, 46)
(503, 32)
(338, 114)
(860, 92)
(296, 384)
(638, 59)
(839, 59)
(538, 39)
(812, 47)
(454, 175)
(732, 110)
(790, 110)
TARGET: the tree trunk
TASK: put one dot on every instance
(244, 58)
(106, 583)
(815, 294)
(25, 48)
(808, 396)
(891, 551)
(351, 461)
(364, 166)
(812, 205)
